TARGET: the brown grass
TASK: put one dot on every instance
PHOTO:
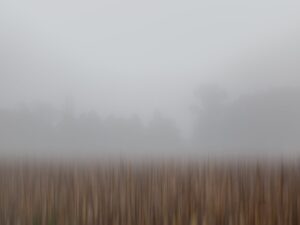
(161, 194)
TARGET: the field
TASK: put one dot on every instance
(152, 194)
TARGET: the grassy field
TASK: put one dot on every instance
(152, 194)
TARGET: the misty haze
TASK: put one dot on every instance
(161, 112)
(94, 80)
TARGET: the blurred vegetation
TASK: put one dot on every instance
(153, 194)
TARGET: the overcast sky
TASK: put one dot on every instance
(132, 56)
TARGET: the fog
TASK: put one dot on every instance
(114, 77)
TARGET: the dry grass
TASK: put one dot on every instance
(161, 194)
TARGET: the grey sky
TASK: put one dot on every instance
(127, 57)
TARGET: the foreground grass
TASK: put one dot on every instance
(161, 194)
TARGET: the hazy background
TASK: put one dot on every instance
(163, 77)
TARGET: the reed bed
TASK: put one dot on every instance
(152, 194)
